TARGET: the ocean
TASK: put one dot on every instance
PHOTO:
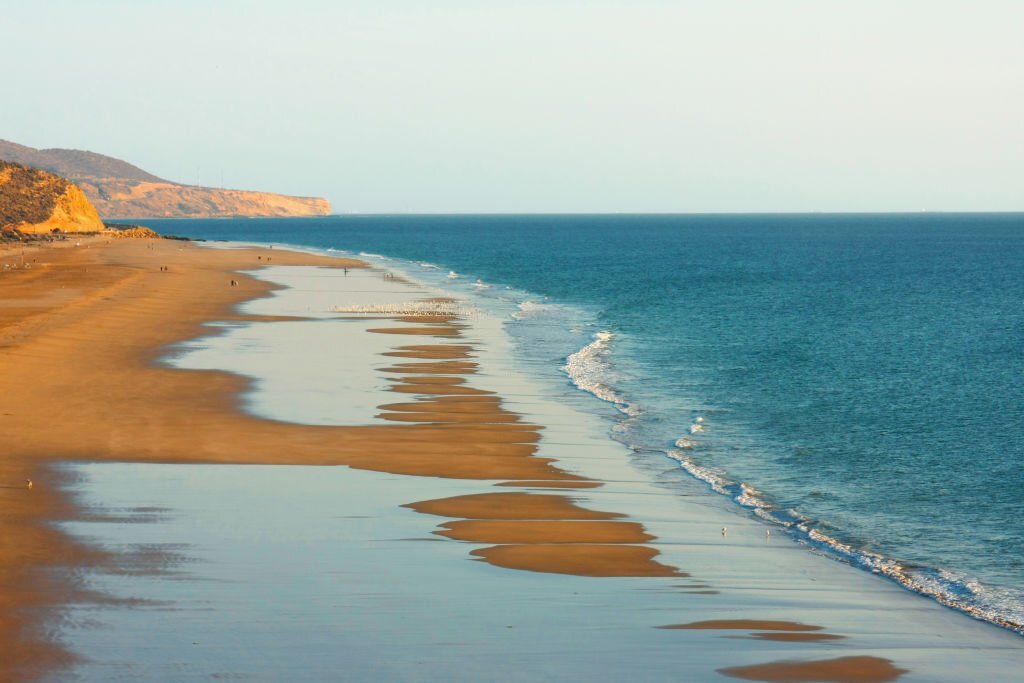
(857, 381)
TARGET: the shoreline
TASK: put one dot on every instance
(69, 284)
(956, 590)
(95, 354)
(103, 406)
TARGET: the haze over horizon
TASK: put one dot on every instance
(570, 106)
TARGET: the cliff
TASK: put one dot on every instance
(34, 201)
(120, 190)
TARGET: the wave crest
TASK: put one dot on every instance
(588, 369)
(958, 591)
(534, 309)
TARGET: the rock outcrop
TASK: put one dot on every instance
(120, 190)
(34, 201)
(121, 232)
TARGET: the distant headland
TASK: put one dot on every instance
(120, 190)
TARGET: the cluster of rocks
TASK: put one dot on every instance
(120, 231)
(14, 236)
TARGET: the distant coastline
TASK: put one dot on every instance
(120, 190)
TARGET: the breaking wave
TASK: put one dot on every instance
(530, 309)
(588, 369)
(956, 590)
(591, 369)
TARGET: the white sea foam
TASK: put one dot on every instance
(531, 309)
(744, 494)
(588, 369)
(739, 492)
(432, 307)
(958, 591)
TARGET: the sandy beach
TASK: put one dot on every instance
(508, 485)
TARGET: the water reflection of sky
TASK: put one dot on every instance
(316, 574)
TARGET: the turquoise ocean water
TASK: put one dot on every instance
(855, 379)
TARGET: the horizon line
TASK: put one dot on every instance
(602, 213)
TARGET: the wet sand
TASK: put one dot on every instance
(82, 335)
(839, 670)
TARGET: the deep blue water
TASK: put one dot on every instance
(862, 376)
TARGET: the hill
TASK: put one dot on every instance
(35, 201)
(120, 190)
(74, 163)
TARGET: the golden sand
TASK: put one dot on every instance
(548, 531)
(515, 506)
(581, 559)
(79, 333)
(80, 330)
(839, 670)
(746, 625)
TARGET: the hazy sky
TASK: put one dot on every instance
(546, 105)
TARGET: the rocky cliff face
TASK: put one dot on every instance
(34, 201)
(120, 190)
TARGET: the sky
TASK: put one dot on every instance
(392, 106)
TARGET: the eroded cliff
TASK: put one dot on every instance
(35, 201)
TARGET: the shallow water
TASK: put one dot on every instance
(858, 376)
(314, 574)
(332, 381)
(317, 573)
